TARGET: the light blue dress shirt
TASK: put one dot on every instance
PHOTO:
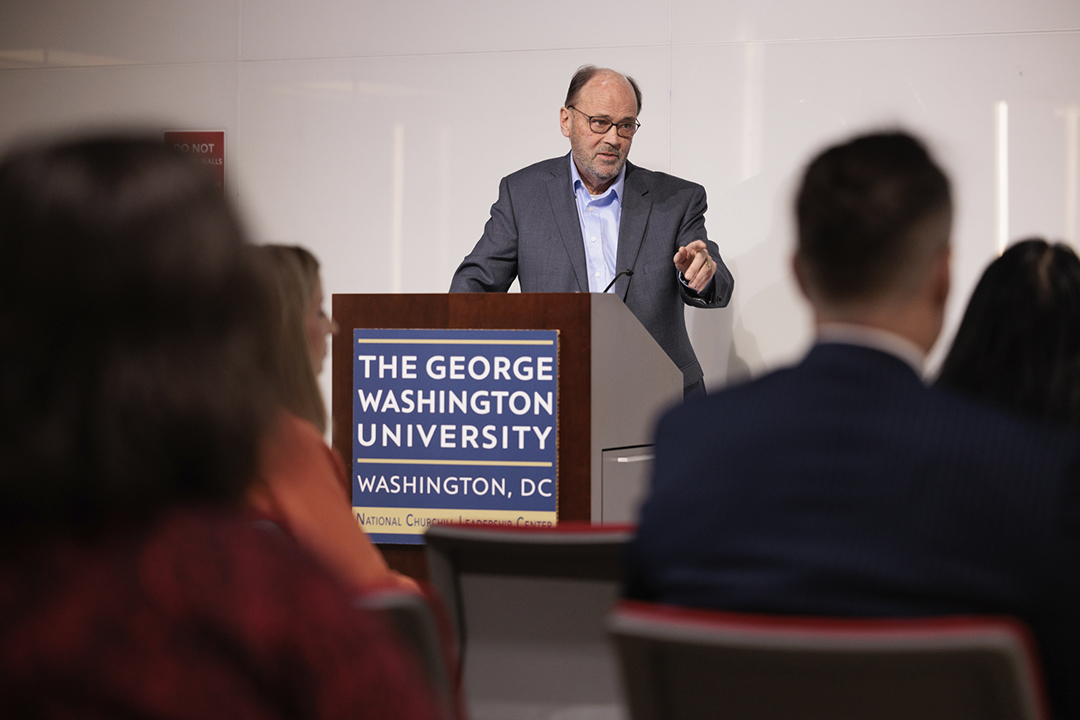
(599, 217)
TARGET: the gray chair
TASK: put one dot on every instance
(682, 664)
(529, 608)
(410, 615)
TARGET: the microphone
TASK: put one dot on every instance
(627, 273)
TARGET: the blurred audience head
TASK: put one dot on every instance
(874, 217)
(132, 337)
(298, 331)
(1019, 341)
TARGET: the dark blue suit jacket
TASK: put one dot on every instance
(845, 486)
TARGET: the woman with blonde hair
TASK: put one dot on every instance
(300, 330)
(302, 482)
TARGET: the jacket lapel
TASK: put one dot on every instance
(564, 208)
(635, 218)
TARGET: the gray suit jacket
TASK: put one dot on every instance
(534, 235)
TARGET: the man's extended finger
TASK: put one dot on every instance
(683, 259)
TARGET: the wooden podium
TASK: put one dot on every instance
(613, 381)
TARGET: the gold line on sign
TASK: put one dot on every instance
(414, 341)
(413, 461)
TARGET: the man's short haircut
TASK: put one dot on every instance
(585, 73)
(858, 210)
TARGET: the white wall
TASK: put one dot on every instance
(375, 133)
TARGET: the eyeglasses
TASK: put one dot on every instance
(601, 125)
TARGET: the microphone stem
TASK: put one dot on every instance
(627, 273)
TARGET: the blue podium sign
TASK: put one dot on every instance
(454, 426)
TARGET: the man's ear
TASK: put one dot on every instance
(942, 276)
(798, 267)
(564, 121)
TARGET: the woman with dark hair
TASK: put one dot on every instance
(302, 482)
(134, 397)
(1019, 342)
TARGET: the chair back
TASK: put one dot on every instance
(529, 606)
(410, 615)
(683, 664)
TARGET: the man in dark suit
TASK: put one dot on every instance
(582, 221)
(846, 486)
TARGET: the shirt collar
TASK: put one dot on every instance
(576, 181)
(876, 339)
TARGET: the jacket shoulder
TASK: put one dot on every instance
(738, 397)
(656, 180)
(541, 171)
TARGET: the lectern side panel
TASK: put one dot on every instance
(633, 380)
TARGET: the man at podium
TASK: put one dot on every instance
(592, 222)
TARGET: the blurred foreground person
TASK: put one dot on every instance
(133, 398)
(844, 485)
(302, 483)
(1019, 343)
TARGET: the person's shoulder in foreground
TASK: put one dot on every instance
(134, 396)
(816, 472)
(205, 615)
(825, 501)
(844, 485)
(301, 489)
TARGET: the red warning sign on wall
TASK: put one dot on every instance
(204, 146)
